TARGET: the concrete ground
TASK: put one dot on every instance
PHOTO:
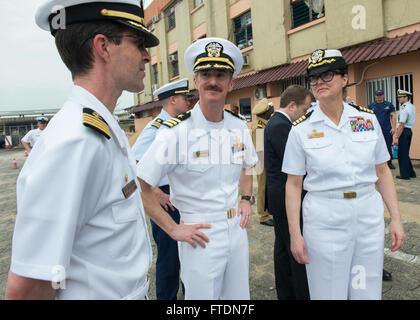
(404, 264)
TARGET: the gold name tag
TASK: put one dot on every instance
(315, 134)
(201, 154)
(129, 189)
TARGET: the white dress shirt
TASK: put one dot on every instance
(203, 161)
(73, 221)
(335, 156)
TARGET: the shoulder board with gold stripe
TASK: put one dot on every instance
(361, 109)
(176, 120)
(157, 123)
(93, 120)
(303, 118)
(236, 115)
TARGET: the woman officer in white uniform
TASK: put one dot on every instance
(341, 150)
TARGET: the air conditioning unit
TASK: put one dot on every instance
(173, 57)
(246, 60)
(155, 19)
(155, 86)
(260, 93)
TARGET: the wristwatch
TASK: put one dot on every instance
(246, 198)
(251, 199)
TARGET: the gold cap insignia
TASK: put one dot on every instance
(317, 56)
(214, 49)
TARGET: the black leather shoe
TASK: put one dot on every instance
(386, 276)
(399, 177)
(413, 175)
(269, 223)
(391, 166)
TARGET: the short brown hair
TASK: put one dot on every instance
(295, 93)
(75, 43)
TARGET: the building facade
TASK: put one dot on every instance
(380, 40)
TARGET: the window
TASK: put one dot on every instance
(155, 74)
(170, 17)
(390, 85)
(173, 62)
(304, 11)
(245, 108)
(197, 3)
(243, 30)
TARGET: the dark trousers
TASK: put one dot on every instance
(404, 143)
(167, 262)
(388, 141)
(290, 276)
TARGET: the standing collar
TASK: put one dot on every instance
(348, 112)
(88, 100)
(164, 115)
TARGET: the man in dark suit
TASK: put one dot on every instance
(290, 276)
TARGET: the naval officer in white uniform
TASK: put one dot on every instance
(205, 153)
(80, 230)
(404, 134)
(174, 97)
(32, 136)
(342, 151)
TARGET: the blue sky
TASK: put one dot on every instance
(32, 74)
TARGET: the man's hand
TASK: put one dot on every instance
(191, 234)
(298, 248)
(244, 209)
(163, 198)
(395, 141)
(392, 131)
(397, 234)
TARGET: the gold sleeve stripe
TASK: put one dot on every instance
(121, 14)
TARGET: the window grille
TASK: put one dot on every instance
(197, 3)
(390, 85)
(304, 11)
(170, 17)
(243, 30)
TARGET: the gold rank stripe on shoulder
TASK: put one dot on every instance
(236, 115)
(157, 123)
(177, 120)
(361, 109)
(303, 118)
(93, 120)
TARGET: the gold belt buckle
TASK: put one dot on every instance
(230, 213)
(349, 194)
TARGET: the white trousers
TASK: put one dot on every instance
(345, 244)
(221, 270)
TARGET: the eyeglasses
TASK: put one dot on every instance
(325, 76)
(139, 40)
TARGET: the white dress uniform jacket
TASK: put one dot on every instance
(343, 223)
(73, 221)
(146, 138)
(32, 136)
(407, 115)
(203, 161)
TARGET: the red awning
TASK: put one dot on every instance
(360, 53)
(356, 54)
